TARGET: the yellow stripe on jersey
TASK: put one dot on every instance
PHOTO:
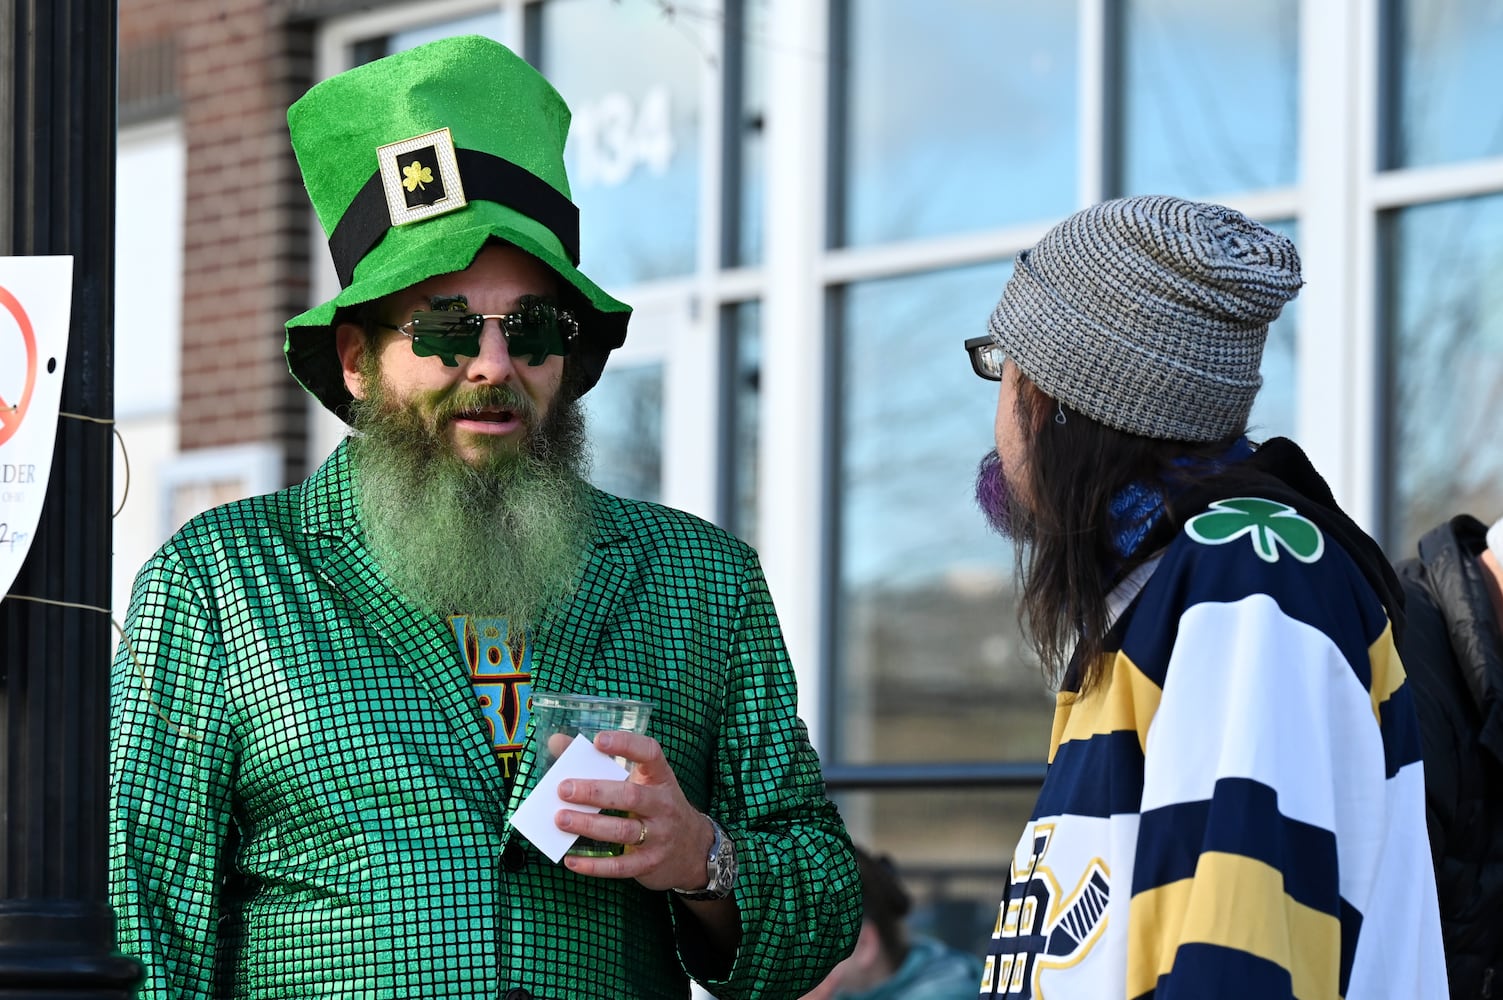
(1233, 902)
(1388, 671)
(1064, 707)
(1126, 701)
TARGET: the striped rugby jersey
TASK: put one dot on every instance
(1237, 811)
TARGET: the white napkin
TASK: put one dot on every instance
(534, 817)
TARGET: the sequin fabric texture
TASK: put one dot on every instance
(304, 800)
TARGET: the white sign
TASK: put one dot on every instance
(36, 294)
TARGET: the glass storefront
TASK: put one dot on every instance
(742, 413)
(1446, 78)
(1210, 96)
(951, 848)
(632, 79)
(930, 665)
(487, 22)
(625, 425)
(746, 110)
(957, 115)
(1445, 364)
(1275, 410)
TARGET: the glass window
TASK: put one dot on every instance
(1445, 359)
(958, 115)
(625, 414)
(1445, 78)
(746, 95)
(742, 400)
(1275, 412)
(148, 273)
(487, 22)
(930, 662)
(632, 79)
(951, 849)
(1209, 96)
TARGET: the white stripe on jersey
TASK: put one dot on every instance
(1287, 720)
(1283, 718)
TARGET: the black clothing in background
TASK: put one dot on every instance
(1453, 654)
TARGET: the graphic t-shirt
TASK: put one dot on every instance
(501, 674)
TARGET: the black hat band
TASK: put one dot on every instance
(486, 178)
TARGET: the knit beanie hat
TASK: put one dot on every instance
(1149, 314)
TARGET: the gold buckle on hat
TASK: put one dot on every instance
(420, 177)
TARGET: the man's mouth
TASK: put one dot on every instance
(491, 420)
(489, 414)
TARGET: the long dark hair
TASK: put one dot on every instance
(1068, 555)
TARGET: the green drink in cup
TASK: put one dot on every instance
(558, 718)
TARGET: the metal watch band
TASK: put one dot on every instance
(720, 865)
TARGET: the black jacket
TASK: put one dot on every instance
(1453, 654)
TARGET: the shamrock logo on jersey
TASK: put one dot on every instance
(1270, 524)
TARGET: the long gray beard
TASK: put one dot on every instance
(504, 539)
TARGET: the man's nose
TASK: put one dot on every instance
(493, 364)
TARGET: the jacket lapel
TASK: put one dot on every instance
(422, 641)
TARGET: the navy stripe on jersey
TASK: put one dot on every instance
(1242, 818)
(1400, 728)
(1210, 970)
(1329, 595)
(1106, 777)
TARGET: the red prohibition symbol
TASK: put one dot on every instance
(11, 414)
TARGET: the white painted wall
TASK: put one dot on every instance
(150, 184)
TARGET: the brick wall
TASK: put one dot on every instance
(235, 66)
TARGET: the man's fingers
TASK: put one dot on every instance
(643, 751)
(619, 795)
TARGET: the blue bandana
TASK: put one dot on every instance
(1139, 506)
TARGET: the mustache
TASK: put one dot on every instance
(470, 399)
(991, 488)
(994, 496)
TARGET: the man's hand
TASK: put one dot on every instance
(666, 838)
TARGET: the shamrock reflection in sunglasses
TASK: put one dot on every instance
(537, 329)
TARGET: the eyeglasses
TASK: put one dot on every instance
(986, 357)
(536, 330)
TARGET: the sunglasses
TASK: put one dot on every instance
(537, 329)
(986, 357)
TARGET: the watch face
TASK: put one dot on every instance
(720, 868)
(723, 866)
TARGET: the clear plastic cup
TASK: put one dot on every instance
(557, 718)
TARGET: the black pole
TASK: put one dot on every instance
(57, 109)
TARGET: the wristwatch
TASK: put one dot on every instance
(720, 865)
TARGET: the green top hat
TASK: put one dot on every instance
(413, 162)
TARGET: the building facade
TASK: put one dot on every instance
(811, 204)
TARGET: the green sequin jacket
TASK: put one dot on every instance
(304, 801)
